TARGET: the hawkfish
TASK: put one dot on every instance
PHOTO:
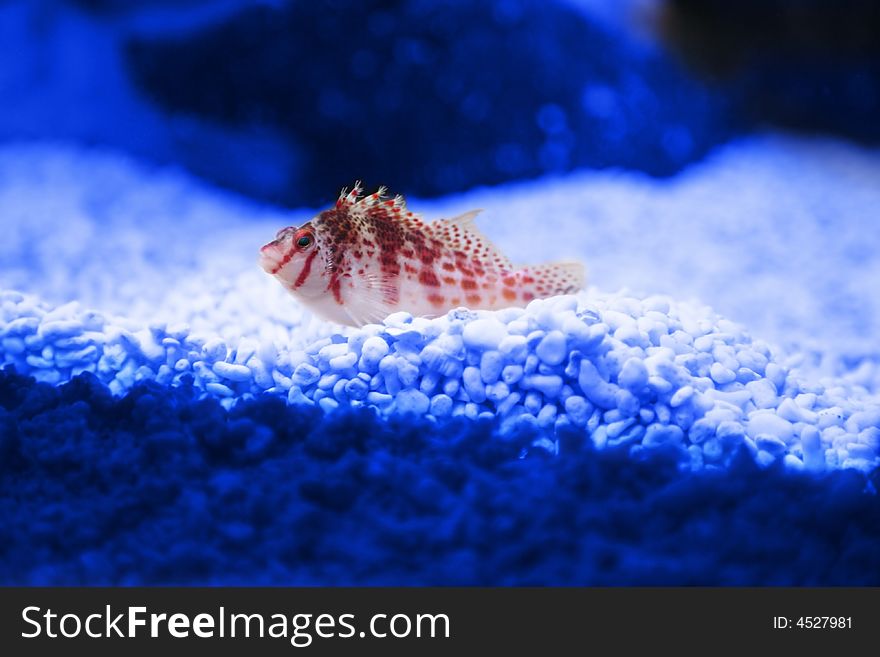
(369, 256)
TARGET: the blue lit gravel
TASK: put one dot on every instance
(640, 373)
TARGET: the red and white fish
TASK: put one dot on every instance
(368, 256)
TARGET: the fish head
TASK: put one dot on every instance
(294, 257)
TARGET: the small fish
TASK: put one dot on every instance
(369, 256)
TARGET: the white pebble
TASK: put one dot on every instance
(627, 403)
(473, 385)
(373, 351)
(763, 393)
(328, 404)
(22, 326)
(660, 434)
(790, 411)
(633, 375)
(597, 390)
(776, 373)
(532, 402)
(681, 396)
(830, 417)
(379, 399)
(547, 415)
(76, 358)
(515, 348)
(770, 443)
(866, 419)
(701, 430)
(712, 450)
(441, 405)
(630, 335)
(231, 371)
(497, 392)
(214, 350)
(407, 373)
(511, 374)
(219, 389)
(616, 428)
(412, 401)
(721, 374)
(491, 366)
(768, 423)
(63, 328)
(551, 348)
(730, 432)
(549, 385)
(484, 334)
(305, 375)
(578, 410)
(344, 362)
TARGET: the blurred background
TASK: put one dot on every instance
(287, 100)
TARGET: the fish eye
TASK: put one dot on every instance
(304, 241)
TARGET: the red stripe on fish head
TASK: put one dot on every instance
(290, 257)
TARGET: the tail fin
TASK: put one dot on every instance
(555, 278)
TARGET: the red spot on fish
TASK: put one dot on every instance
(527, 279)
(473, 299)
(509, 281)
(527, 296)
(448, 266)
(449, 280)
(437, 299)
(510, 295)
(409, 268)
(427, 277)
(468, 284)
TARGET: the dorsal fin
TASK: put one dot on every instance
(465, 221)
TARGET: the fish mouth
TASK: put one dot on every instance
(272, 257)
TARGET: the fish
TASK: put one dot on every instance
(369, 256)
